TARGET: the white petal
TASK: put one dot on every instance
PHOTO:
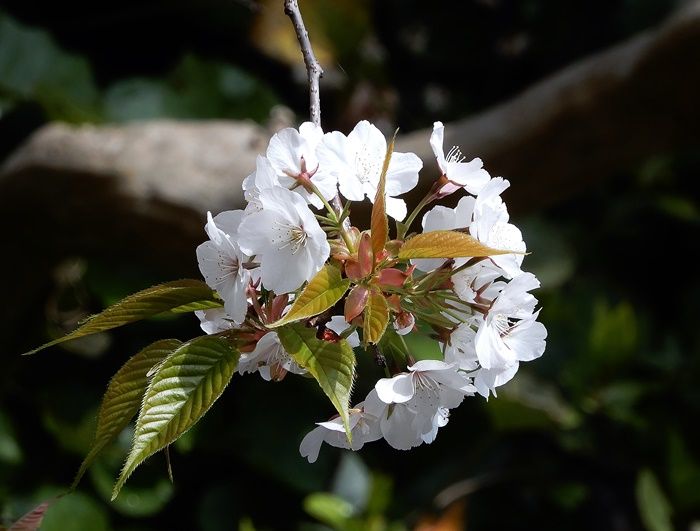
(396, 390)
(396, 208)
(527, 339)
(464, 211)
(490, 348)
(215, 234)
(506, 236)
(327, 184)
(337, 424)
(398, 430)
(311, 444)
(311, 132)
(337, 159)
(366, 135)
(214, 320)
(229, 221)
(402, 175)
(470, 174)
(430, 365)
(285, 151)
(256, 232)
(436, 142)
(236, 300)
(439, 218)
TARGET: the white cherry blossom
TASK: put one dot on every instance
(269, 358)
(470, 283)
(486, 380)
(286, 238)
(263, 178)
(460, 174)
(510, 331)
(221, 262)
(462, 352)
(364, 427)
(356, 162)
(421, 401)
(292, 154)
(490, 226)
(214, 320)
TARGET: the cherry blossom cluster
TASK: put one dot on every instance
(297, 220)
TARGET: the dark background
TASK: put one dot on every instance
(600, 433)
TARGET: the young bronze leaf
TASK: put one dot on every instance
(181, 391)
(32, 520)
(379, 224)
(123, 397)
(140, 305)
(446, 244)
(331, 363)
(376, 317)
(321, 293)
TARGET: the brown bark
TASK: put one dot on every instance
(140, 191)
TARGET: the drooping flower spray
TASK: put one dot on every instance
(294, 285)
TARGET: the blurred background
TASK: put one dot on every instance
(588, 107)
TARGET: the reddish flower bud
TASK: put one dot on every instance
(364, 254)
(356, 302)
(405, 322)
(392, 277)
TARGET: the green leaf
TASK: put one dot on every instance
(199, 305)
(379, 224)
(331, 363)
(446, 244)
(146, 303)
(33, 67)
(329, 509)
(653, 505)
(376, 317)
(123, 397)
(183, 388)
(321, 293)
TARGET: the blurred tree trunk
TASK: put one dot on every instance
(140, 192)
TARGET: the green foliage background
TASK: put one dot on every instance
(600, 433)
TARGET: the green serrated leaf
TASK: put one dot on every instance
(146, 303)
(376, 317)
(331, 363)
(446, 244)
(321, 293)
(199, 305)
(123, 397)
(182, 390)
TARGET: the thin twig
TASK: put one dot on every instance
(313, 68)
(314, 73)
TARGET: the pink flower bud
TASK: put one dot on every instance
(364, 255)
(356, 302)
(392, 277)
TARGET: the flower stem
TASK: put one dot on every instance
(335, 217)
(402, 229)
